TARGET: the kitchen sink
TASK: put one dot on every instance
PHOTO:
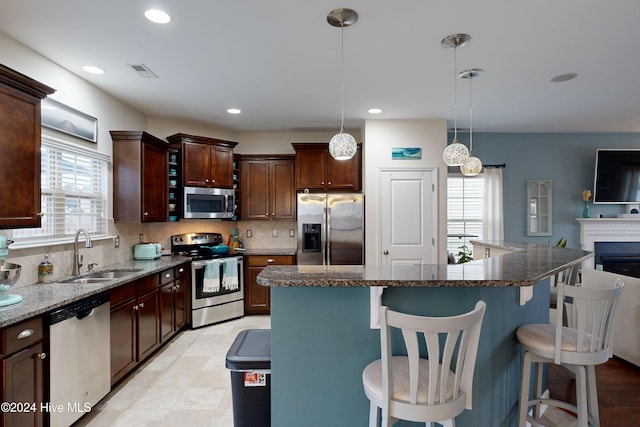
(88, 280)
(102, 276)
(112, 274)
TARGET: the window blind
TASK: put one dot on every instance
(465, 198)
(74, 193)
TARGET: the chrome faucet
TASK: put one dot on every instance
(76, 256)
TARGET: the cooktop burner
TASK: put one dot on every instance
(198, 246)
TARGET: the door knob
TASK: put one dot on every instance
(386, 252)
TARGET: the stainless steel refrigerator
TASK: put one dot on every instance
(330, 229)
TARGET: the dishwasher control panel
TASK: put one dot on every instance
(78, 309)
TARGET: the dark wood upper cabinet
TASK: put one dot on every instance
(267, 187)
(206, 162)
(140, 177)
(317, 170)
(20, 136)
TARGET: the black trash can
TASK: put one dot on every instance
(249, 360)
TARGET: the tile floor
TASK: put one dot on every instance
(185, 383)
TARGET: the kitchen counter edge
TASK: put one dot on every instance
(526, 265)
(41, 298)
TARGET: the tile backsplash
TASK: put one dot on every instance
(103, 252)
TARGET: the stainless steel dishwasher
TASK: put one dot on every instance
(80, 367)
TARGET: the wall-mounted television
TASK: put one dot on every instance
(617, 177)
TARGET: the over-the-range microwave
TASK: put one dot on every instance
(206, 203)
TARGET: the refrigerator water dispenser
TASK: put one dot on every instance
(312, 241)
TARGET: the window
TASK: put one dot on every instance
(465, 198)
(74, 193)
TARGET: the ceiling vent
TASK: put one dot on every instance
(143, 71)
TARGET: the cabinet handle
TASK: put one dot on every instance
(176, 288)
(135, 307)
(266, 214)
(146, 214)
(329, 183)
(181, 270)
(40, 214)
(141, 305)
(386, 252)
(25, 334)
(206, 180)
(270, 261)
(41, 356)
(322, 182)
(167, 275)
(273, 214)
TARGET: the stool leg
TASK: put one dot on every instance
(581, 396)
(592, 390)
(374, 415)
(524, 390)
(537, 409)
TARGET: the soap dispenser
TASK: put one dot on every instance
(45, 270)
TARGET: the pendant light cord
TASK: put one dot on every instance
(455, 94)
(342, 77)
(470, 115)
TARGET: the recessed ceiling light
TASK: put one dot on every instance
(563, 77)
(157, 16)
(375, 110)
(93, 69)
(234, 111)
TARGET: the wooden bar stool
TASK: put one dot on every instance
(416, 389)
(589, 311)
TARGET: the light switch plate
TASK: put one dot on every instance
(249, 234)
(116, 242)
(274, 232)
(292, 232)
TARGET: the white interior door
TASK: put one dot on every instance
(408, 217)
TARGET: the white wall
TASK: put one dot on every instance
(161, 127)
(382, 135)
(280, 142)
(72, 91)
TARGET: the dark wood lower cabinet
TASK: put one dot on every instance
(144, 314)
(173, 302)
(123, 339)
(148, 323)
(257, 299)
(23, 373)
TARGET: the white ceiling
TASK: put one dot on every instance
(279, 60)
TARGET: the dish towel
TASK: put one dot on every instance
(211, 281)
(230, 274)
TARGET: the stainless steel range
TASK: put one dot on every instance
(217, 278)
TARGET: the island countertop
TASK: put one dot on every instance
(525, 265)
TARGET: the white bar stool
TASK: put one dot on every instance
(584, 343)
(412, 388)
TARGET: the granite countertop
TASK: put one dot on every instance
(526, 265)
(269, 251)
(41, 298)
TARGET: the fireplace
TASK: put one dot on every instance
(615, 239)
(618, 257)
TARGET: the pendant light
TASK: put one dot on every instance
(456, 154)
(473, 165)
(342, 145)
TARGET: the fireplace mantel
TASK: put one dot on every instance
(606, 230)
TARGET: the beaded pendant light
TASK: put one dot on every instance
(342, 146)
(456, 154)
(473, 165)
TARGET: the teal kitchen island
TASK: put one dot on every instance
(322, 337)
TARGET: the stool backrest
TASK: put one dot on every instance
(457, 335)
(591, 312)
